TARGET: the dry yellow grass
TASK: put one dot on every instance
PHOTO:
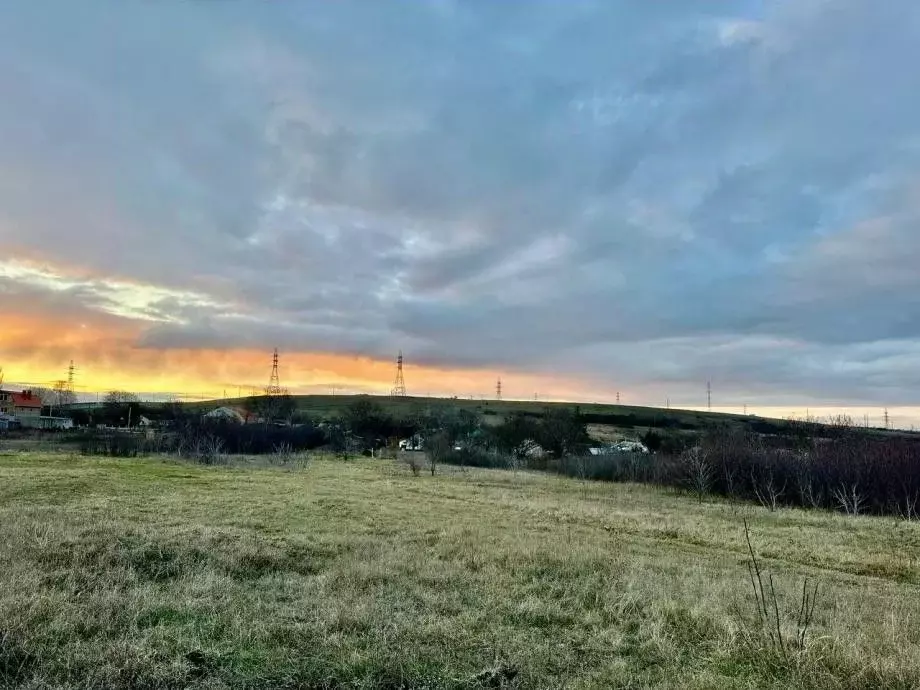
(154, 574)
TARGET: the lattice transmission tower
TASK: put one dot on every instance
(498, 389)
(399, 387)
(274, 383)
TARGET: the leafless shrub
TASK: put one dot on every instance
(850, 499)
(283, 453)
(810, 495)
(437, 447)
(581, 466)
(771, 628)
(767, 488)
(699, 473)
(412, 462)
(907, 506)
(731, 483)
(208, 450)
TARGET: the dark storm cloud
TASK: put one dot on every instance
(606, 189)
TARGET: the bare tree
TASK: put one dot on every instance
(731, 482)
(62, 394)
(437, 447)
(809, 493)
(120, 397)
(907, 507)
(767, 489)
(699, 473)
(46, 395)
(412, 462)
(850, 499)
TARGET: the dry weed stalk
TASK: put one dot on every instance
(766, 604)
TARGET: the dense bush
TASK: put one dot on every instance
(248, 439)
(110, 443)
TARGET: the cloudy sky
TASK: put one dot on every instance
(582, 197)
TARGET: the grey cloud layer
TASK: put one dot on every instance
(566, 187)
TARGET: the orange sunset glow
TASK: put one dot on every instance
(107, 358)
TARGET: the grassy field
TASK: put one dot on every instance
(154, 574)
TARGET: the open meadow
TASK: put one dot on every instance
(150, 573)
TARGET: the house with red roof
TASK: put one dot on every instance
(24, 404)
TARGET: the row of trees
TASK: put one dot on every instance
(365, 427)
(835, 469)
(844, 470)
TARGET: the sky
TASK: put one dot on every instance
(582, 197)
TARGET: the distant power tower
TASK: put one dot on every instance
(887, 419)
(274, 383)
(709, 395)
(399, 387)
(71, 371)
(618, 397)
(498, 389)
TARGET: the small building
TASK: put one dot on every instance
(24, 404)
(416, 443)
(47, 423)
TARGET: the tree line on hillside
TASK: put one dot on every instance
(830, 466)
